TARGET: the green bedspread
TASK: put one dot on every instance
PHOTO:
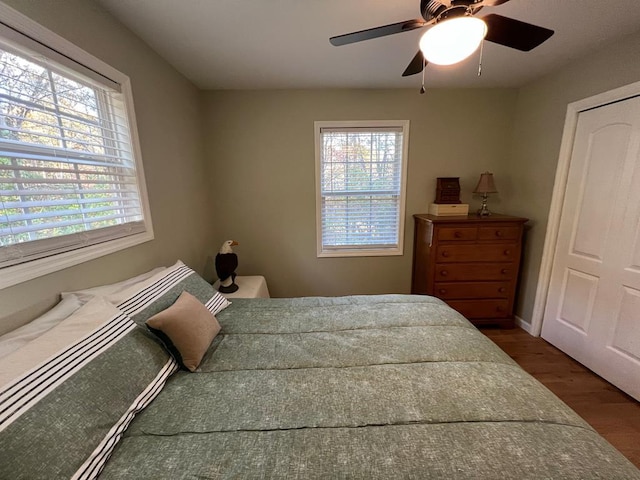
(358, 387)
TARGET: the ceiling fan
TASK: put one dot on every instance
(445, 16)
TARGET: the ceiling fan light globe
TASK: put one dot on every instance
(451, 41)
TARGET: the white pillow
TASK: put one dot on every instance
(112, 289)
(71, 301)
(19, 337)
(76, 326)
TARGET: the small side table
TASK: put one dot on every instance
(254, 286)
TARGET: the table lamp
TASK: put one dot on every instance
(485, 187)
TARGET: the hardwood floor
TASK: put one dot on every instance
(615, 415)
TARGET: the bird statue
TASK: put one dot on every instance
(226, 264)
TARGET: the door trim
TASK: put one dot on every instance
(560, 184)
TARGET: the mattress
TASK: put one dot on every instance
(384, 386)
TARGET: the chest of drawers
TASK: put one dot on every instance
(470, 262)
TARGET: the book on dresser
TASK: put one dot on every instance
(470, 262)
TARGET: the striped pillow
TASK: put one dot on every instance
(62, 416)
(163, 289)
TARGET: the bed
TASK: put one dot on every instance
(385, 386)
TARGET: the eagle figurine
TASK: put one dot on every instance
(226, 264)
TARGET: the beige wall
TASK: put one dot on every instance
(260, 152)
(168, 113)
(255, 182)
(540, 116)
(260, 147)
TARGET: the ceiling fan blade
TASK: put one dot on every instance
(416, 65)
(514, 33)
(493, 3)
(377, 32)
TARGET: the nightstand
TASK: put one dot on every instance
(470, 262)
(250, 287)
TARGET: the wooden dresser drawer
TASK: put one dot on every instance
(474, 271)
(499, 233)
(470, 262)
(481, 308)
(448, 234)
(477, 253)
(446, 290)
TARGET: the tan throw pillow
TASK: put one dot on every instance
(187, 329)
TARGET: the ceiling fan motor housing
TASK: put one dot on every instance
(453, 12)
(436, 10)
(430, 9)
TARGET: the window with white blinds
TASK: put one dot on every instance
(69, 173)
(361, 182)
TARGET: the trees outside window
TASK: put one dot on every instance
(70, 175)
(361, 183)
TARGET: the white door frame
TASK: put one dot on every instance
(559, 187)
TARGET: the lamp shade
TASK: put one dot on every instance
(486, 184)
(451, 41)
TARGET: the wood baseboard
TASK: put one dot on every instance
(527, 327)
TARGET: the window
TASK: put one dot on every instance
(71, 185)
(360, 184)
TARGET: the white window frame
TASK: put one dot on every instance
(16, 274)
(361, 251)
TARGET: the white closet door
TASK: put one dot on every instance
(593, 305)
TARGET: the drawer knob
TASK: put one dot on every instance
(502, 289)
(445, 254)
(507, 252)
(498, 233)
(444, 273)
(442, 291)
(499, 309)
(457, 234)
(504, 271)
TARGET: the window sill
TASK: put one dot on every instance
(16, 274)
(360, 252)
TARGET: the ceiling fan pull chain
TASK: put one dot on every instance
(424, 67)
(480, 63)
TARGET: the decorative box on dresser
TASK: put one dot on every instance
(470, 262)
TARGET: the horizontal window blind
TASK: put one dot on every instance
(67, 172)
(360, 187)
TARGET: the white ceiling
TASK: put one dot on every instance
(278, 44)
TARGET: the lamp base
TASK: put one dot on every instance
(483, 211)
